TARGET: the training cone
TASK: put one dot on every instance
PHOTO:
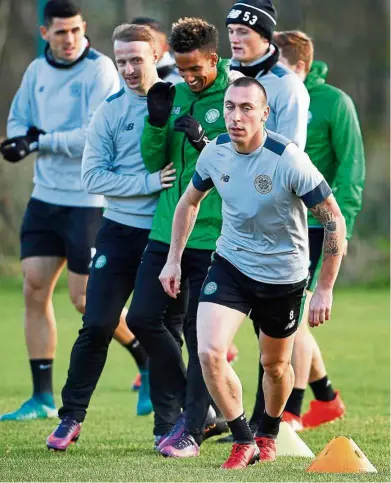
(341, 455)
(289, 443)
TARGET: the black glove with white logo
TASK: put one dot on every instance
(160, 99)
(17, 148)
(194, 131)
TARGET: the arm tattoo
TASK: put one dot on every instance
(327, 218)
(193, 218)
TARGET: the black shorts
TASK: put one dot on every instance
(60, 231)
(315, 236)
(276, 309)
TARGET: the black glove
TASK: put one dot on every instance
(17, 148)
(194, 131)
(160, 99)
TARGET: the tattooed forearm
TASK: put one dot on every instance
(193, 218)
(330, 245)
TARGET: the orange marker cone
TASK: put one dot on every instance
(341, 455)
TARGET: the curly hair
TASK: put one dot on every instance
(192, 33)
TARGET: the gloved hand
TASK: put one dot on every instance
(194, 131)
(17, 148)
(160, 99)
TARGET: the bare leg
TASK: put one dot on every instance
(216, 327)
(278, 378)
(40, 277)
(303, 349)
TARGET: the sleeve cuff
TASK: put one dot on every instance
(317, 195)
(154, 183)
(45, 142)
(202, 184)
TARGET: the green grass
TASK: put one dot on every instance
(117, 446)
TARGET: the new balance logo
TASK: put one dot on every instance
(128, 127)
(290, 325)
(234, 13)
(224, 178)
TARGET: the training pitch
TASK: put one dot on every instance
(115, 445)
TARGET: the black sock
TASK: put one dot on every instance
(42, 370)
(295, 401)
(240, 430)
(269, 426)
(259, 407)
(139, 354)
(322, 389)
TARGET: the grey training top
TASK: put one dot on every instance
(265, 194)
(112, 163)
(61, 102)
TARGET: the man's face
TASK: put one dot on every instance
(245, 111)
(136, 62)
(246, 44)
(65, 36)
(197, 69)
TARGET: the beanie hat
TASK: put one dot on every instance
(259, 15)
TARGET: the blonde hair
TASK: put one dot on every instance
(133, 33)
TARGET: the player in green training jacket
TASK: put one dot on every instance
(335, 146)
(181, 121)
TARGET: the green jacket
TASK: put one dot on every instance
(334, 143)
(159, 146)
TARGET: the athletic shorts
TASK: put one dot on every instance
(60, 231)
(276, 309)
(315, 236)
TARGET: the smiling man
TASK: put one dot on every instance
(180, 123)
(112, 166)
(266, 182)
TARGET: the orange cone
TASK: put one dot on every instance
(341, 455)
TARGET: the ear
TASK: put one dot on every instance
(214, 58)
(154, 55)
(266, 113)
(44, 32)
(84, 26)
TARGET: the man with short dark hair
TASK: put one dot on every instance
(50, 115)
(179, 125)
(250, 25)
(261, 260)
(112, 166)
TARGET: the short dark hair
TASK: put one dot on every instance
(133, 33)
(192, 33)
(247, 82)
(150, 22)
(60, 9)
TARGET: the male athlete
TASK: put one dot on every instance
(179, 126)
(335, 146)
(261, 261)
(50, 114)
(113, 166)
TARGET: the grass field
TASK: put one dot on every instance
(117, 446)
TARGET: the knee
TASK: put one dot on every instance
(211, 358)
(275, 370)
(35, 288)
(79, 302)
(97, 335)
